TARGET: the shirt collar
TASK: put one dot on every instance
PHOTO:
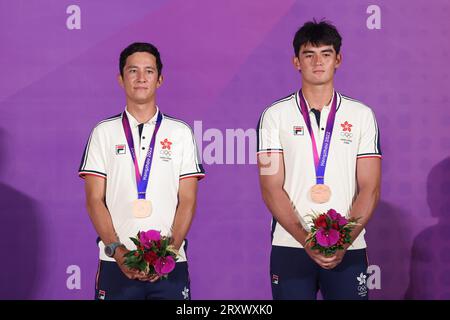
(134, 123)
(327, 107)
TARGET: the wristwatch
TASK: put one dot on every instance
(110, 249)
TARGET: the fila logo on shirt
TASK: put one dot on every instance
(298, 131)
(121, 149)
(166, 152)
(346, 132)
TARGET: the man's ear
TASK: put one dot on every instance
(338, 60)
(296, 63)
(120, 80)
(160, 81)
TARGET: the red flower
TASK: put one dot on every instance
(166, 144)
(335, 226)
(321, 222)
(150, 257)
(346, 126)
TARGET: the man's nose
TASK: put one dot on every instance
(141, 77)
(318, 61)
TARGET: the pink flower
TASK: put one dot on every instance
(333, 214)
(146, 237)
(164, 265)
(327, 238)
(342, 221)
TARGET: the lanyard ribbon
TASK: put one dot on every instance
(141, 180)
(319, 163)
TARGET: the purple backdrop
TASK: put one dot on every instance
(224, 62)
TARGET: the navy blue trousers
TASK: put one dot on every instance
(295, 276)
(112, 284)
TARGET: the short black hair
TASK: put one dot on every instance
(317, 33)
(140, 47)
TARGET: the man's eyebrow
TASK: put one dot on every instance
(322, 51)
(147, 67)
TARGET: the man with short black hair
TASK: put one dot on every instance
(141, 169)
(318, 150)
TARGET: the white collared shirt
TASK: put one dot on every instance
(175, 157)
(281, 128)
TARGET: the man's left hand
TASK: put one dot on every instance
(338, 256)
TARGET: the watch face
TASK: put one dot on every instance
(108, 251)
(111, 248)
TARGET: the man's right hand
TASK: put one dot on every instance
(129, 273)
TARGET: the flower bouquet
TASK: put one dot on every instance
(330, 232)
(154, 254)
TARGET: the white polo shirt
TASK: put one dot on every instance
(281, 128)
(175, 157)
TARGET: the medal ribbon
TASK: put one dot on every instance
(141, 180)
(319, 163)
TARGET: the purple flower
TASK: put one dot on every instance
(146, 237)
(333, 214)
(164, 265)
(342, 221)
(327, 238)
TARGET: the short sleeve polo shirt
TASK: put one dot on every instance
(281, 128)
(175, 157)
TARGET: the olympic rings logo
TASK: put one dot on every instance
(165, 153)
(362, 289)
(346, 135)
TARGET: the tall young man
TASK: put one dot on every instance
(141, 169)
(318, 150)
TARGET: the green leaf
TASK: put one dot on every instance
(130, 264)
(136, 242)
(131, 259)
(142, 265)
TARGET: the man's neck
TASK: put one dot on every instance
(142, 112)
(318, 96)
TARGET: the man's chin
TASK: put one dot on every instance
(320, 82)
(141, 100)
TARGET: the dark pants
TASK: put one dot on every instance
(295, 276)
(112, 284)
